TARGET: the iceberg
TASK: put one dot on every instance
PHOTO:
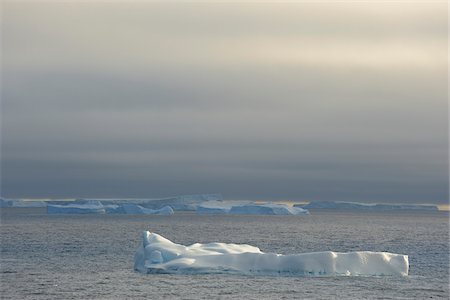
(248, 208)
(181, 203)
(114, 206)
(267, 209)
(5, 203)
(91, 208)
(157, 254)
(364, 206)
(28, 203)
(218, 207)
(22, 203)
(96, 207)
(134, 209)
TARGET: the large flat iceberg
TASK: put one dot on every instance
(134, 209)
(218, 207)
(364, 206)
(248, 208)
(267, 209)
(179, 203)
(115, 206)
(157, 254)
(88, 208)
(21, 203)
(96, 207)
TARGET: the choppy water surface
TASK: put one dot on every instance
(91, 256)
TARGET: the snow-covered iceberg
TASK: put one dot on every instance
(248, 208)
(157, 254)
(365, 206)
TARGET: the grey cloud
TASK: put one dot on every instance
(98, 101)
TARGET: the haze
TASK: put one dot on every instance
(286, 101)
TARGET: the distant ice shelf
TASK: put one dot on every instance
(98, 208)
(157, 254)
(248, 208)
(364, 206)
(91, 207)
(161, 206)
(133, 209)
(21, 203)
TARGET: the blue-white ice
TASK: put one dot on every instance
(218, 207)
(95, 207)
(177, 203)
(248, 208)
(157, 254)
(21, 203)
(163, 206)
(91, 207)
(134, 209)
(364, 206)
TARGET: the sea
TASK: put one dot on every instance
(91, 256)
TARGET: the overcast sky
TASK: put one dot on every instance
(283, 101)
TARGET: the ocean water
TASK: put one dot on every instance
(91, 256)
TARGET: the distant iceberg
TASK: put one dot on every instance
(134, 209)
(248, 208)
(157, 254)
(267, 209)
(364, 206)
(22, 203)
(178, 203)
(162, 206)
(218, 207)
(95, 207)
(89, 208)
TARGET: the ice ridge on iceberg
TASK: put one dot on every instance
(157, 254)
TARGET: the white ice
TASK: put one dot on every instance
(157, 254)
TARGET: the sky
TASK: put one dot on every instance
(268, 101)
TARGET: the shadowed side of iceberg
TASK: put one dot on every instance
(160, 255)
